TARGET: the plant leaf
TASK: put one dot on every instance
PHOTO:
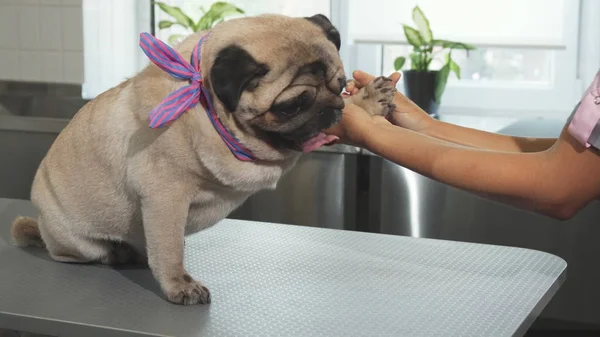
(165, 24)
(442, 79)
(216, 14)
(177, 14)
(205, 22)
(174, 39)
(422, 24)
(413, 36)
(415, 61)
(225, 8)
(399, 62)
(454, 67)
(453, 45)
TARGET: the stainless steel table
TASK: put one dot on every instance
(281, 280)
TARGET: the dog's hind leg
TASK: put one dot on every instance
(73, 248)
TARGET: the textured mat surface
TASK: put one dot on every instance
(280, 280)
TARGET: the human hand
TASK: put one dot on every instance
(355, 126)
(407, 114)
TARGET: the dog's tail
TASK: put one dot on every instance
(26, 233)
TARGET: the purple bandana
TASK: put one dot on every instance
(188, 96)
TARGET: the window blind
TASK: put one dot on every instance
(531, 23)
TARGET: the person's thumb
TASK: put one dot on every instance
(362, 78)
(395, 77)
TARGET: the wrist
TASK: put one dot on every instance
(364, 135)
(429, 126)
(412, 117)
(373, 133)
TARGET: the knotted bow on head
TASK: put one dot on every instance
(188, 96)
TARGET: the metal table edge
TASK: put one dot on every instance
(52, 327)
(542, 303)
(20, 322)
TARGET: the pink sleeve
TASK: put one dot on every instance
(587, 114)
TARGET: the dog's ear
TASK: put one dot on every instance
(234, 71)
(330, 31)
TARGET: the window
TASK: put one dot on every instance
(489, 64)
(112, 28)
(526, 60)
(251, 7)
(111, 31)
(534, 57)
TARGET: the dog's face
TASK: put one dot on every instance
(280, 76)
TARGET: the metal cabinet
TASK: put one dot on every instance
(402, 202)
(320, 191)
(341, 188)
(23, 144)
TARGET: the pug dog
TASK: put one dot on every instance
(112, 190)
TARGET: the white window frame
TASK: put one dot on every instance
(574, 68)
(589, 42)
(111, 34)
(570, 75)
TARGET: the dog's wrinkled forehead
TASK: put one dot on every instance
(266, 53)
(292, 41)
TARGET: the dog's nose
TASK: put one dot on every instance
(342, 82)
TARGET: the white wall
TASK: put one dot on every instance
(41, 41)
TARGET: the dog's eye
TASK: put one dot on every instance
(316, 69)
(294, 105)
(297, 110)
(303, 100)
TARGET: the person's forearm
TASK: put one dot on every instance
(485, 140)
(518, 179)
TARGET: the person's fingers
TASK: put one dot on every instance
(395, 77)
(362, 78)
(335, 130)
(349, 85)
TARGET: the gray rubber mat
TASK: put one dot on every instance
(281, 280)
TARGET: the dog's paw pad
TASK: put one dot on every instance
(187, 291)
(377, 97)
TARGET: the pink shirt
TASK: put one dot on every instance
(584, 123)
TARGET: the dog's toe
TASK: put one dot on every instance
(382, 91)
(187, 291)
(377, 97)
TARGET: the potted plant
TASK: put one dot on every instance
(217, 13)
(422, 85)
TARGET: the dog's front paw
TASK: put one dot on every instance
(377, 97)
(187, 291)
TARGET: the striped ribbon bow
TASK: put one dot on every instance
(188, 96)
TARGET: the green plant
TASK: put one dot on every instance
(426, 49)
(215, 14)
